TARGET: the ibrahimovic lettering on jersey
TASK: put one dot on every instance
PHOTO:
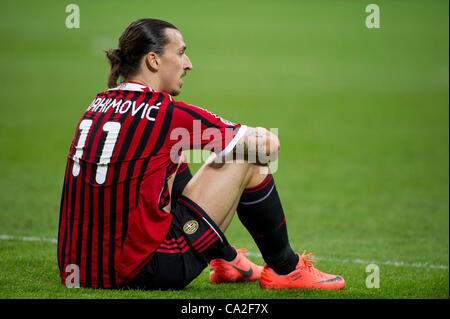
(114, 203)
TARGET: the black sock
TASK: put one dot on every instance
(227, 253)
(260, 211)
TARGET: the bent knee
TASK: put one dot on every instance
(257, 174)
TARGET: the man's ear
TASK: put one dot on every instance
(152, 61)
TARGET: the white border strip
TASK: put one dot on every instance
(352, 261)
(259, 200)
(232, 144)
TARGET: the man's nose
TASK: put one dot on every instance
(187, 63)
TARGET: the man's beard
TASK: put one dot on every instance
(175, 92)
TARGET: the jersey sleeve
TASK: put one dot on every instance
(193, 127)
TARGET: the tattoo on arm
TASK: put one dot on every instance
(254, 133)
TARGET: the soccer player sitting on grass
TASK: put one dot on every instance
(133, 216)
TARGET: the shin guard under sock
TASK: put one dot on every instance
(260, 211)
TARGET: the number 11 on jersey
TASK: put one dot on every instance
(112, 129)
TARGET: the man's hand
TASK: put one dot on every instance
(258, 146)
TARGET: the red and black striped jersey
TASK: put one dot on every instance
(112, 216)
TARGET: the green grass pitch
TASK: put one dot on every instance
(362, 116)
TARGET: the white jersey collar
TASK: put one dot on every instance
(133, 86)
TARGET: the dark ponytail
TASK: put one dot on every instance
(139, 38)
(114, 61)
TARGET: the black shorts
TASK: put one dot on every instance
(192, 238)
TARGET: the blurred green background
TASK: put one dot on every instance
(362, 116)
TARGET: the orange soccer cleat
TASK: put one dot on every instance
(305, 276)
(239, 269)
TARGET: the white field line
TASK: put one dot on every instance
(42, 239)
(352, 261)
(368, 262)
